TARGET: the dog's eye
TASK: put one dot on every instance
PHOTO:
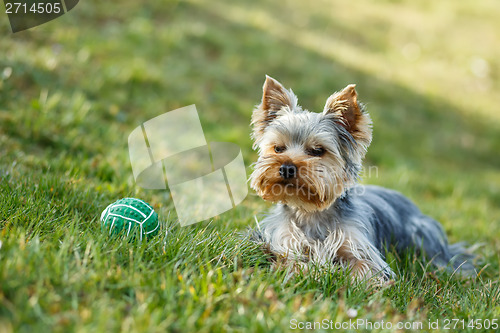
(279, 149)
(316, 151)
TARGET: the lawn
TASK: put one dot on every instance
(73, 89)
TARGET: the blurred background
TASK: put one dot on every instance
(73, 89)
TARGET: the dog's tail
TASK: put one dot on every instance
(462, 258)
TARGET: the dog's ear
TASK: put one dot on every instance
(275, 98)
(348, 113)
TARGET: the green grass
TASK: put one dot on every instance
(73, 89)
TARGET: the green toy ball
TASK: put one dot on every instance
(130, 216)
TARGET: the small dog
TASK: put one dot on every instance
(309, 164)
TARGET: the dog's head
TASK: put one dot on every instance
(307, 159)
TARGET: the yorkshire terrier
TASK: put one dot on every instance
(309, 164)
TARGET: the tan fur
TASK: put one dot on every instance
(308, 189)
(320, 180)
(274, 98)
(359, 267)
(345, 107)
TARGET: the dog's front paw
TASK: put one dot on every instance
(363, 270)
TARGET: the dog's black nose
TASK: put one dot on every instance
(288, 171)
